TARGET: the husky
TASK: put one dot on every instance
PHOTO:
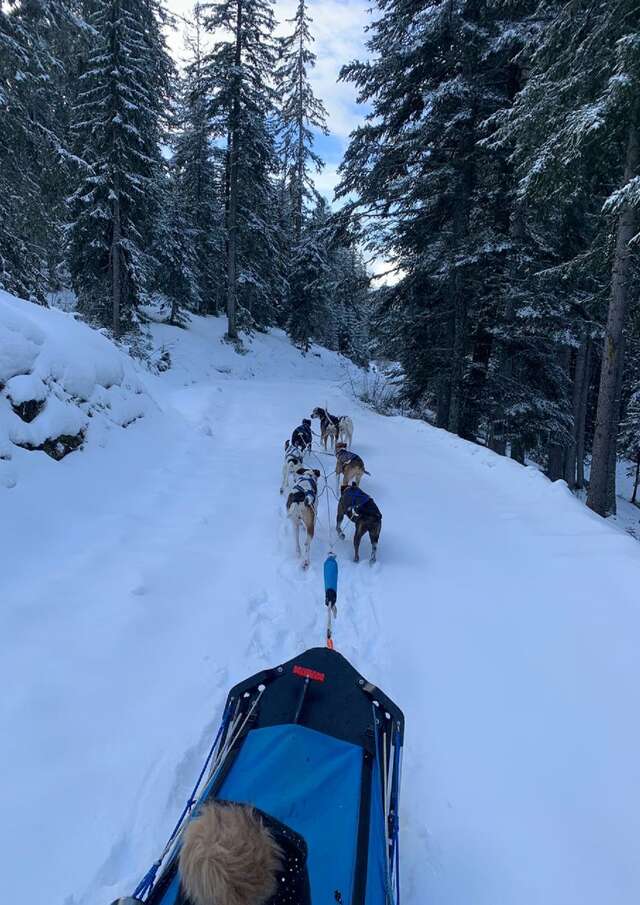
(301, 507)
(349, 466)
(293, 458)
(333, 428)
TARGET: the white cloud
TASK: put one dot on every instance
(338, 29)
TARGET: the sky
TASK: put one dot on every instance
(338, 28)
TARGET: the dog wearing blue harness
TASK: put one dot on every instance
(301, 507)
(361, 509)
(293, 458)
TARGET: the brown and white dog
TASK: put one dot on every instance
(293, 458)
(349, 466)
(328, 426)
(333, 427)
(301, 507)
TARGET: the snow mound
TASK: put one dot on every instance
(62, 384)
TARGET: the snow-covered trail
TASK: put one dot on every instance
(502, 617)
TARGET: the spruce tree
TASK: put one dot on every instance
(118, 122)
(174, 251)
(237, 82)
(36, 68)
(432, 196)
(198, 169)
(578, 114)
(300, 112)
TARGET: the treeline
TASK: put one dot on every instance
(126, 179)
(499, 167)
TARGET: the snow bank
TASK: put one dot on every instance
(62, 384)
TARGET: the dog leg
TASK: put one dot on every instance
(297, 530)
(309, 524)
(357, 537)
(285, 477)
(374, 535)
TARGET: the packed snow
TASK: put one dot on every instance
(147, 573)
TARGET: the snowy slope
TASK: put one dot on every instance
(158, 570)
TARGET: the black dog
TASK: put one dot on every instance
(363, 512)
(302, 436)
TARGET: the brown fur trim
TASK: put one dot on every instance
(228, 857)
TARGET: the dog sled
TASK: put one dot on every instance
(316, 746)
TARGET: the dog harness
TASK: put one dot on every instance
(358, 503)
(345, 456)
(305, 490)
(294, 455)
(302, 436)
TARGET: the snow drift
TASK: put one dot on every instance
(61, 384)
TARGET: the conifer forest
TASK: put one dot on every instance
(495, 169)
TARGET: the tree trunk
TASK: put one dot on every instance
(300, 151)
(612, 506)
(116, 280)
(600, 497)
(444, 400)
(480, 356)
(457, 360)
(582, 417)
(574, 463)
(232, 221)
(637, 478)
(557, 453)
(555, 461)
(518, 451)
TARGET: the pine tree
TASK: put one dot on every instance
(236, 81)
(578, 116)
(432, 195)
(36, 42)
(174, 251)
(118, 121)
(300, 112)
(309, 279)
(199, 171)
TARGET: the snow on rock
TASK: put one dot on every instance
(25, 387)
(61, 384)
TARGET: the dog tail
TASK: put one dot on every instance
(367, 472)
(229, 856)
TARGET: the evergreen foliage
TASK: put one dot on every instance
(498, 168)
(118, 123)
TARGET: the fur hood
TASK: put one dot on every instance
(228, 857)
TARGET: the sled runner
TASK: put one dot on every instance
(316, 746)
